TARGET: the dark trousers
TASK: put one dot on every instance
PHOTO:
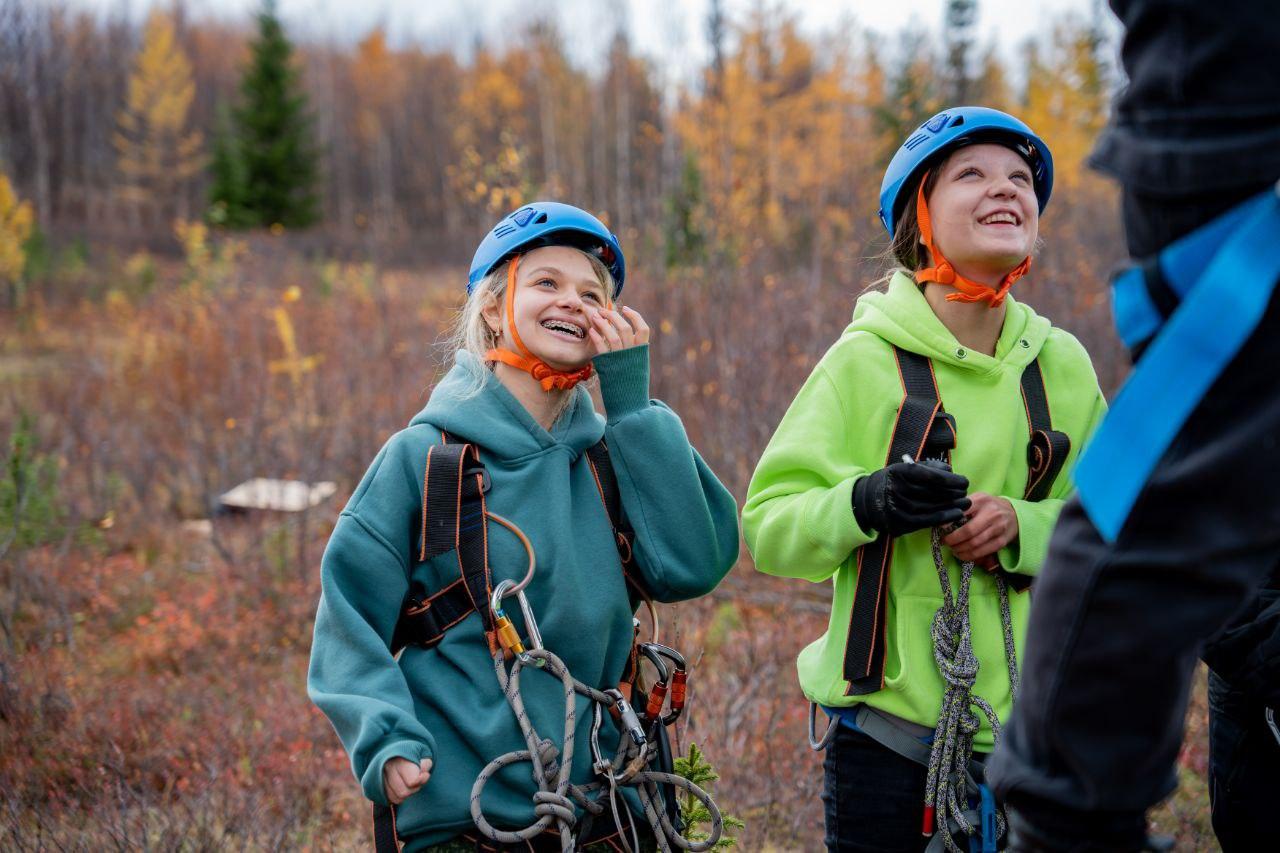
(1244, 769)
(873, 798)
(1116, 629)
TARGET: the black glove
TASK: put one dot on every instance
(904, 497)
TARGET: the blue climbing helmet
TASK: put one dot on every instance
(947, 131)
(548, 223)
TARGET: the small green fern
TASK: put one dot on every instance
(697, 770)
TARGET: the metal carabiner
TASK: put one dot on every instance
(508, 637)
(630, 722)
(657, 659)
(815, 743)
(670, 654)
(658, 692)
(676, 684)
(598, 762)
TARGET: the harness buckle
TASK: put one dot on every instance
(478, 468)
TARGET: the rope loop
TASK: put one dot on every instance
(549, 803)
(950, 782)
(553, 801)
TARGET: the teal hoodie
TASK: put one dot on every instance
(798, 519)
(444, 703)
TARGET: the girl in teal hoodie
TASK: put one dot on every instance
(934, 435)
(539, 321)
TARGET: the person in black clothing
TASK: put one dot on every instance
(1120, 619)
(1244, 724)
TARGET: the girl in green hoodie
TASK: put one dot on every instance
(539, 320)
(903, 461)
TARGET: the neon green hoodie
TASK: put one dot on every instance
(799, 521)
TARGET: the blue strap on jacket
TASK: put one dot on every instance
(1224, 274)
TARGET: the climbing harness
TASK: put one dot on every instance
(956, 800)
(454, 517)
(1193, 306)
(925, 431)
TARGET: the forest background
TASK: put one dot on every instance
(155, 352)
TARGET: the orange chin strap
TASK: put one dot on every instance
(944, 273)
(547, 376)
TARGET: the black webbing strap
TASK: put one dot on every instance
(926, 432)
(1047, 451)
(607, 483)
(920, 410)
(385, 839)
(453, 519)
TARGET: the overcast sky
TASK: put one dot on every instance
(672, 33)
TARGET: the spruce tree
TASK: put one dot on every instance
(268, 174)
(226, 193)
(685, 241)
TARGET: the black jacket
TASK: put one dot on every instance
(1247, 652)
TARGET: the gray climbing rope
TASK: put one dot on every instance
(637, 748)
(554, 799)
(950, 783)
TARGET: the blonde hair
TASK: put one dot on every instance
(470, 331)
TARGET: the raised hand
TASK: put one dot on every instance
(616, 330)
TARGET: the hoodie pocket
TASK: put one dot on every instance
(910, 669)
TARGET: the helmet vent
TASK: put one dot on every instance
(522, 217)
(540, 220)
(957, 121)
(915, 141)
(936, 123)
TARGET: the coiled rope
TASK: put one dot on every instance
(554, 799)
(949, 783)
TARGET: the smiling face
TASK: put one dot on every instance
(556, 290)
(984, 211)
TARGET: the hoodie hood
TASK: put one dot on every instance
(495, 420)
(903, 317)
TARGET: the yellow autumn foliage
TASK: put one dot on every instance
(786, 137)
(1066, 97)
(379, 78)
(155, 150)
(16, 222)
